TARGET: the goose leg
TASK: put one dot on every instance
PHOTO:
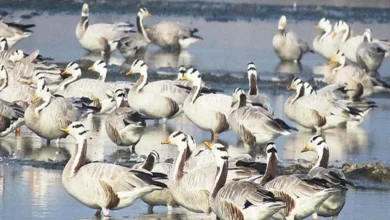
(315, 216)
(156, 121)
(170, 209)
(47, 142)
(165, 121)
(334, 217)
(106, 212)
(98, 213)
(150, 209)
(17, 131)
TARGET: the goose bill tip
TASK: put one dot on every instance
(305, 149)
(184, 78)
(65, 129)
(166, 141)
(209, 145)
(129, 73)
(148, 14)
(91, 68)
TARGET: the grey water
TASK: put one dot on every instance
(29, 191)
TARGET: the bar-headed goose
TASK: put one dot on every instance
(329, 177)
(317, 112)
(47, 114)
(359, 83)
(14, 91)
(135, 44)
(324, 44)
(11, 117)
(349, 43)
(254, 97)
(161, 99)
(187, 84)
(243, 199)
(254, 124)
(124, 126)
(308, 197)
(167, 34)
(73, 86)
(102, 37)
(103, 186)
(14, 32)
(287, 45)
(209, 112)
(100, 67)
(369, 54)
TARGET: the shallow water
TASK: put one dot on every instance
(37, 193)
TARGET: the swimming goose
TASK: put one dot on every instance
(102, 37)
(308, 197)
(316, 111)
(254, 97)
(359, 83)
(73, 86)
(287, 45)
(124, 126)
(349, 43)
(209, 112)
(47, 114)
(135, 44)
(14, 32)
(243, 199)
(324, 44)
(369, 55)
(161, 99)
(329, 177)
(167, 34)
(16, 91)
(253, 124)
(103, 186)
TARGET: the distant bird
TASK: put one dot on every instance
(14, 32)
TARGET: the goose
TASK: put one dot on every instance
(124, 126)
(73, 86)
(11, 117)
(159, 100)
(103, 186)
(359, 83)
(187, 84)
(47, 114)
(135, 44)
(14, 32)
(287, 45)
(100, 67)
(102, 37)
(242, 200)
(324, 44)
(167, 34)
(369, 54)
(330, 177)
(16, 91)
(349, 43)
(254, 97)
(254, 125)
(316, 111)
(214, 108)
(308, 197)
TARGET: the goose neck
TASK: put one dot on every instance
(141, 28)
(347, 33)
(300, 93)
(142, 81)
(178, 171)
(270, 172)
(195, 91)
(323, 158)
(82, 26)
(253, 89)
(220, 179)
(43, 104)
(77, 159)
(67, 81)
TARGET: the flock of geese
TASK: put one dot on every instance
(51, 102)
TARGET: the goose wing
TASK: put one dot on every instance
(110, 32)
(215, 102)
(295, 39)
(167, 89)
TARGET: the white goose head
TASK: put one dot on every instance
(42, 91)
(3, 44)
(295, 84)
(193, 76)
(77, 131)
(182, 70)
(16, 56)
(324, 24)
(252, 70)
(179, 139)
(317, 144)
(100, 67)
(119, 97)
(341, 27)
(191, 143)
(85, 10)
(282, 23)
(138, 66)
(271, 151)
(237, 93)
(144, 13)
(72, 69)
(338, 58)
(367, 35)
(219, 151)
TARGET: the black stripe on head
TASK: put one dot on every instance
(251, 63)
(101, 62)
(272, 150)
(143, 64)
(251, 68)
(2, 67)
(321, 142)
(77, 68)
(184, 139)
(221, 149)
(177, 133)
(83, 132)
(315, 138)
(136, 61)
(295, 79)
(225, 157)
(192, 138)
(78, 126)
(71, 63)
(237, 89)
(193, 71)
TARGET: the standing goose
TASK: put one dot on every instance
(324, 44)
(254, 97)
(135, 44)
(316, 111)
(167, 34)
(14, 32)
(159, 100)
(242, 200)
(209, 112)
(287, 45)
(369, 55)
(103, 186)
(14, 91)
(102, 37)
(47, 114)
(254, 125)
(308, 197)
(124, 126)
(329, 177)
